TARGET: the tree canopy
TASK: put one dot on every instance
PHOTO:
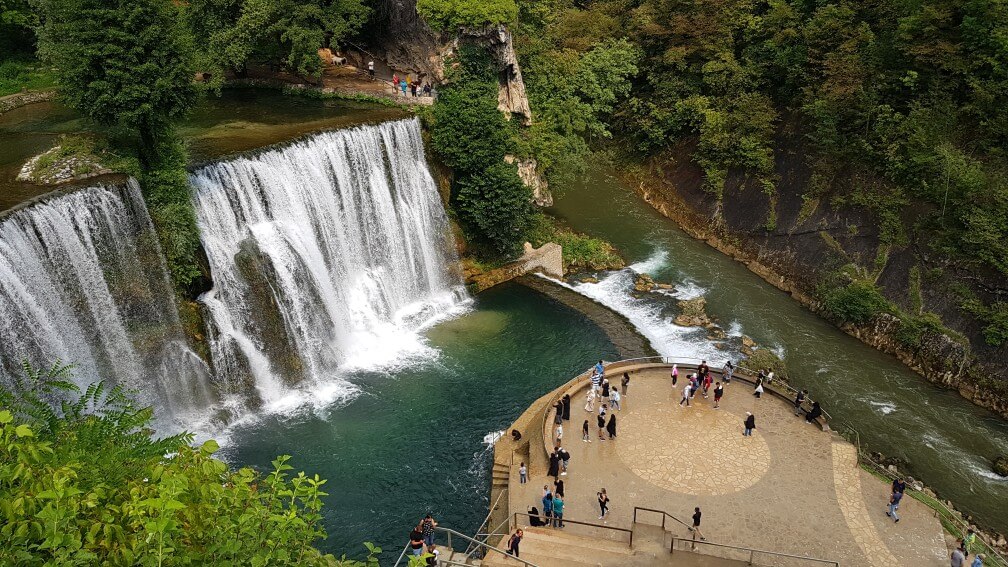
(450, 15)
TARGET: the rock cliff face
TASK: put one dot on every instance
(811, 238)
(406, 44)
(530, 177)
(511, 98)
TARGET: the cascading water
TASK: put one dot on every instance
(82, 280)
(329, 253)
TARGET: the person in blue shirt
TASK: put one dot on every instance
(599, 369)
(547, 502)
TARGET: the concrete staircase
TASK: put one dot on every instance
(547, 547)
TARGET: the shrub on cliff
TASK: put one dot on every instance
(86, 483)
(498, 207)
(857, 302)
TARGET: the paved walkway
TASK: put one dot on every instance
(789, 488)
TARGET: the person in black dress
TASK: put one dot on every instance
(566, 406)
(601, 426)
(611, 426)
(554, 465)
(559, 487)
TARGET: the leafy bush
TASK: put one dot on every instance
(858, 302)
(498, 207)
(580, 251)
(763, 358)
(913, 328)
(84, 482)
(450, 15)
(18, 75)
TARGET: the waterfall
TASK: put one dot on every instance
(327, 254)
(82, 280)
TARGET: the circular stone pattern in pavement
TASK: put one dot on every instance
(697, 450)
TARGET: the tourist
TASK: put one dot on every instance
(750, 424)
(522, 473)
(596, 381)
(758, 392)
(703, 369)
(685, 395)
(590, 400)
(413, 89)
(547, 501)
(769, 376)
(706, 384)
(566, 407)
(558, 505)
(403, 86)
(600, 369)
(432, 559)
(603, 503)
(427, 89)
(584, 432)
(416, 541)
(395, 81)
(554, 465)
(614, 397)
(813, 413)
(894, 502)
(898, 485)
(978, 560)
(558, 415)
(558, 488)
(605, 389)
(514, 541)
(696, 524)
(427, 526)
(799, 399)
(515, 435)
(370, 69)
(718, 392)
(558, 434)
(603, 409)
(675, 374)
(611, 426)
(601, 425)
(535, 520)
(624, 383)
(564, 460)
(727, 372)
(968, 541)
(958, 557)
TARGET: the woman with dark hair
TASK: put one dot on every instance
(554, 464)
(813, 413)
(566, 406)
(514, 541)
(611, 426)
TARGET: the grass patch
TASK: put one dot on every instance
(19, 75)
(580, 251)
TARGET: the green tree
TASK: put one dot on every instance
(497, 206)
(450, 15)
(85, 483)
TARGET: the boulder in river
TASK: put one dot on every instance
(1001, 465)
(644, 282)
(693, 313)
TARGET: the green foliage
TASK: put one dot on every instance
(125, 62)
(470, 135)
(764, 358)
(994, 317)
(913, 328)
(496, 206)
(24, 74)
(450, 15)
(18, 19)
(857, 302)
(580, 251)
(288, 32)
(85, 483)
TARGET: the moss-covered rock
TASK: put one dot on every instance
(1001, 465)
(693, 313)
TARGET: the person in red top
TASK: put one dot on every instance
(707, 384)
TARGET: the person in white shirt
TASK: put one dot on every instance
(370, 69)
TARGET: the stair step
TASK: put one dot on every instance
(577, 546)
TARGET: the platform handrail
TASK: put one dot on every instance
(752, 552)
(663, 512)
(486, 520)
(579, 523)
(450, 532)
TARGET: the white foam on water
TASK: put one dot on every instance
(884, 408)
(493, 436)
(984, 471)
(614, 291)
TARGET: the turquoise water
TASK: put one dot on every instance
(411, 441)
(948, 442)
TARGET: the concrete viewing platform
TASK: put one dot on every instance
(791, 493)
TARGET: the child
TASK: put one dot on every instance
(523, 473)
(675, 374)
(584, 432)
(614, 397)
(718, 392)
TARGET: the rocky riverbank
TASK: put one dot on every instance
(936, 356)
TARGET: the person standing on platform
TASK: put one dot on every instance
(696, 523)
(584, 432)
(750, 424)
(718, 392)
(603, 503)
(624, 383)
(566, 407)
(514, 542)
(558, 506)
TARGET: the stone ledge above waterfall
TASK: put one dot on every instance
(547, 259)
